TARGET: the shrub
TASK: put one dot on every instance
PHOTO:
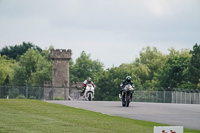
(32, 97)
(21, 97)
(58, 98)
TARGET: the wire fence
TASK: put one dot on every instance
(28, 92)
(37, 92)
(189, 97)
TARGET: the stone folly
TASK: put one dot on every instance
(59, 87)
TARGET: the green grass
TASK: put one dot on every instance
(34, 116)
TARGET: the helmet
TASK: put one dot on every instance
(89, 80)
(128, 78)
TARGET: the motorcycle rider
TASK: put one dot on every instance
(125, 82)
(87, 81)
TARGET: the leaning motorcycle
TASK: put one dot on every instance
(127, 95)
(89, 92)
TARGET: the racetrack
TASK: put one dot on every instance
(187, 115)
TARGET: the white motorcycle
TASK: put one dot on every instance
(89, 92)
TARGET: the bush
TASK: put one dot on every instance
(13, 93)
(58, 98)
(21, 97)
(32, 97)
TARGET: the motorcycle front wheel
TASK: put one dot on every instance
(89, 97)
(127, 101)
(124, 99)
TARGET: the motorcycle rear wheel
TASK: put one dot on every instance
(123, 103)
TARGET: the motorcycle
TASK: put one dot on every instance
(89, 92)
(127, 95)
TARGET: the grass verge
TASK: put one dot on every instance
(34, 116)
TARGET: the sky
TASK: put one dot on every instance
(111, 31)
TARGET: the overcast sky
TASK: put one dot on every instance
(112, 31)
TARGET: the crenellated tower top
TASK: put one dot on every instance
(61, 54)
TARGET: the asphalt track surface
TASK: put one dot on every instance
(186, 115)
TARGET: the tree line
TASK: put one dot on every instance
(152, 70)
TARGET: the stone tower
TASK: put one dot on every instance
(59, 86)
(60, 69)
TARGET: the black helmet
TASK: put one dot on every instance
(128, 78)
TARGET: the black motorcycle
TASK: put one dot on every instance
(127, 95)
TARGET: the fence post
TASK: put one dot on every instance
(194, 97)
(185, 98)
(163, 95)
(190, 97)
(13, 91)
(176, 94)
(26, 91)
(39, 92)
(198, 101)
(52, 90)
(181, 96)
(65, 91)
(148, 95)
(199, 98)
(156, 95)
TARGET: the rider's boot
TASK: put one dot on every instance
(120, 96)
(83, 91)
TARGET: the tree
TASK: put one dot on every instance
(149, 63)
(137, 70)
(84, 67)
(173, 73)
(32, 68)
(108, 82)
(43, 70)
(16, 51)
(194, 65)
(6, 69)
